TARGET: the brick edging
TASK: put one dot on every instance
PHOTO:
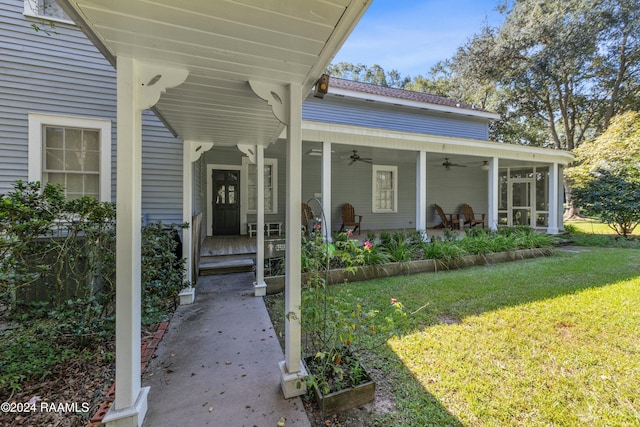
(148, 346)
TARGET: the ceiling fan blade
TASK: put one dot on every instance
(352, 162)
(367, 160)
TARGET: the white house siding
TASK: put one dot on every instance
(393, 117)
(62, 73)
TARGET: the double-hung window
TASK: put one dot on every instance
(270, 186)
(72, 152)
(385, 189)
(46, 9)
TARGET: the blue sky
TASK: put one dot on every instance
(412, 35)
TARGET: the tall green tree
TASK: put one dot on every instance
(363, 73)
(606, 179)
(617, 147)
(556, 70)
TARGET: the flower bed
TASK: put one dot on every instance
(400, 254)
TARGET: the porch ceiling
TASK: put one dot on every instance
(223, 44)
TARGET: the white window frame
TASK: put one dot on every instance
(274, 183)
(31, 8)
(36, 149)
(374, 190)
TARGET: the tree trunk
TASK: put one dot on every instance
(572, 212)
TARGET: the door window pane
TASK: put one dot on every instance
(221, 197)
(232, 194)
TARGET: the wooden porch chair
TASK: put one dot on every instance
(349, 218)
(470, 218)
(449, 221)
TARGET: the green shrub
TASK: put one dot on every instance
(58, 262)
(57, 274)
(55, 249)
(27, 354)
(444, 250)
(162, 271)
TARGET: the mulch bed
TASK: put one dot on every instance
(78, 384)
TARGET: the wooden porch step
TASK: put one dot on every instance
(205, 259)
(224, 266)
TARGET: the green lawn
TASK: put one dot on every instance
(594, 227)
(551, 341)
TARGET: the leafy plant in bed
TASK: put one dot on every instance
(335, 328)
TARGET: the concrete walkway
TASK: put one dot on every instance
(218, 362)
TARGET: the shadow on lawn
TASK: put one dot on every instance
(438, 300)
(450, 296)
(447, 297)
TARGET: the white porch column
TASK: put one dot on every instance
(292, 371)
(191, 152)
(260, 287)
(421, 191)
(135, 92)
(560, 199)
(494, 191)
(553, 199)
(187, 295)
(130, 400)
(326, 188)
(286, 105)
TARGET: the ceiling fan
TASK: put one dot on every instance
(356, 158)
(447, 164)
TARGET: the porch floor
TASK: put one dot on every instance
(218, 246)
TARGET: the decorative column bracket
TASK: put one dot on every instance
(198, 148)
(249, 151)
(154, 80)
(275, 95)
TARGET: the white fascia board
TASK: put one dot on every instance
(370, 137)
(414, 104)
